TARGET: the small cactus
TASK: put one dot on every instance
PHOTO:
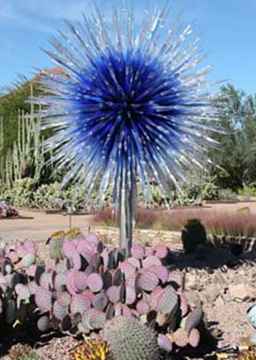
(129, 339)
(193, 234)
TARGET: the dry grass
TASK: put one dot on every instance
(216, 222)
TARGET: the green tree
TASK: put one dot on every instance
(11, 103)
(236, 157)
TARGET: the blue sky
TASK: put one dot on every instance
(227, 29)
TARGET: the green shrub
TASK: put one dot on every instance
(248, 190)
(49, 197)
(227, 194)
(25, 193)
(22, 194)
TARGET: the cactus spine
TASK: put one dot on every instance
(129, 339)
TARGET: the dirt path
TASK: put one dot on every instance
(38, 226)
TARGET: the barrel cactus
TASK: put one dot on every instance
(129, 339)
(193, 235)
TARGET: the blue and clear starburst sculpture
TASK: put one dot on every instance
(130, 106)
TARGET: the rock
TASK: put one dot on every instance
(242, 292)
(219, 279)
(192, 282)
(194, 297)
(212, 293)
(219, 302)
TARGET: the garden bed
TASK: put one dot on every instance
(221, 280)
(224, 283)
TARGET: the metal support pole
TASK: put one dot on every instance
(127, 203)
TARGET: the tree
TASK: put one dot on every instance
(236, 158)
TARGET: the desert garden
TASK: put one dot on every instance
(123, 239)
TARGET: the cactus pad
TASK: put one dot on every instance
(95, 282)
(43, 299)
(27, 260)
(43, 323)
(168, 301)
(147, 281)
(180, 338)
(165, 343)
(193, 319)
(194, 338)
(79, 304)
(59, 310)
(113, 293)
(138, 251)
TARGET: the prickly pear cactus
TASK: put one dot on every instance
(129, 339)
